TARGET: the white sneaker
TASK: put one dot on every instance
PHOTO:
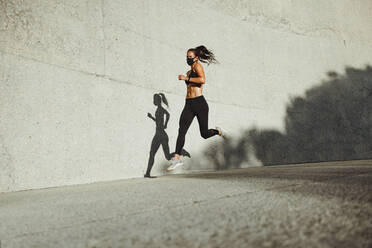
(174, 164)
(223, 132)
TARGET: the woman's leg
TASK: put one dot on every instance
(202, 110)
(185, 121)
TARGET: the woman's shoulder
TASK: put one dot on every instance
(198, 65)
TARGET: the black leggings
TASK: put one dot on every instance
(198, 107)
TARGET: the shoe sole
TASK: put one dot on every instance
(177, 165)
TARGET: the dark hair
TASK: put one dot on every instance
(205, 55)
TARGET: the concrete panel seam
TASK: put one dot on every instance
(104, 36)
(125, 82)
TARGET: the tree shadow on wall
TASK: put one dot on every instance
(161, 120)
(332, 122)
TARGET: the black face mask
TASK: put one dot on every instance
(190, 61)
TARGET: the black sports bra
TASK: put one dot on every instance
(193, 74)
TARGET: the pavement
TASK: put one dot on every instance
(307, 205)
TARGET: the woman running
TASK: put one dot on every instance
(195, 103)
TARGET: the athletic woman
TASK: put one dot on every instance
(195, 103)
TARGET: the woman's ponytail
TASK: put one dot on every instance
(205, 55)
(164, 99)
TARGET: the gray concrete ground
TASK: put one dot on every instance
(309, 205)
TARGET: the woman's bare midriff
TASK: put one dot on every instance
(194, 90)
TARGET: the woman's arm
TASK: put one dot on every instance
(150, 116)
(167, 119)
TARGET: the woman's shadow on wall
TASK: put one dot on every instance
(161, 120)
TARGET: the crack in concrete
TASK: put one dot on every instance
(286, 25)
(6, 167)
(244, 13)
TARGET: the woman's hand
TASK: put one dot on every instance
(181, 77)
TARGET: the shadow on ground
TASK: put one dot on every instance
(348, 180)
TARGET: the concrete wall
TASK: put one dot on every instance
(77, 78)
